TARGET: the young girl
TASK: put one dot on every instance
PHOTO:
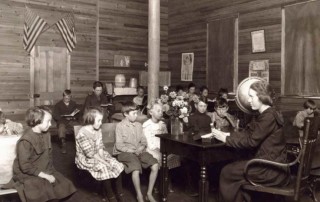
(155, 126)
(221, 118)
(138, 100)
(34, 176)
(92, 157)
(191, 91)
(8, 127)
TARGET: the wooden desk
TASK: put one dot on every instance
(202, 153)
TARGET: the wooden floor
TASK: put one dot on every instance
(89, 191)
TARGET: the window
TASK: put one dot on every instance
(222, 54)
(301, 49)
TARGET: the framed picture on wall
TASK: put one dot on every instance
(258, 41)
(259, 68)
(121, 61)
(187, 60)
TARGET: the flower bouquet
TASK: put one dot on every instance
(175, 107)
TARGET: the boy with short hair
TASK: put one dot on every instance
(199, 122)
(221, 118)
(130, 148)
(65, 124)
(98, 99)
(309, 109)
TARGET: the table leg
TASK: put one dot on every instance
(203, 185)
(164, 178)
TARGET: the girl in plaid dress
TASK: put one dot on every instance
(92, 157)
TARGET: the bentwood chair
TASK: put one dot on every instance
(300, 182)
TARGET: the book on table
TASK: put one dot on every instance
(106, 105)
(76, 111)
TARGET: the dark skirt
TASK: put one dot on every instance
(36, 189)
(232, 178)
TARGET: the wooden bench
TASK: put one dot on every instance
(7, 191)
(108, 135)
(7, 156)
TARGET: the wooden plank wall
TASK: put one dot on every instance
(124, 31)
(14, 60)
(187, 33)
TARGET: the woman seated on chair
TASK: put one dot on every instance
(259, 137)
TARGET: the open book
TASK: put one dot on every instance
(72, 114)
(105, 105)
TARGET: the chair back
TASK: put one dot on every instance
(108, 131)
(310, 133)
(76, 129)
(109, 136)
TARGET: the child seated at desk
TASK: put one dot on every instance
(8, 127)
(198, 124)
(130, 148)
(221, 118)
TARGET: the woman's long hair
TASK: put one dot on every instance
(265, 92)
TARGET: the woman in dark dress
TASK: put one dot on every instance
(34, 176)
(261, 138)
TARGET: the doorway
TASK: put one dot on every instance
(49, 74)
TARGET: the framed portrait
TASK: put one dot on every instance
(121, 61)
(258, 41)
(187, 61)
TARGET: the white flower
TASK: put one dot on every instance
(164, 98)
(184, 110)
(179, 97)
(165, 107)
(165, 88)
(173, 94)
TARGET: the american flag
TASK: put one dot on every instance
(33, 26)
(66, 27)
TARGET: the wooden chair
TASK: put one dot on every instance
(298, 183)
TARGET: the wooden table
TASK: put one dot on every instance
(202, 153)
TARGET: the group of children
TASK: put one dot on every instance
(220, 117)
(136, 147)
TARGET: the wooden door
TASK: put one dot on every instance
(49, 74)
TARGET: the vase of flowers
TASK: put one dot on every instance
(176, 126)
(177, 108)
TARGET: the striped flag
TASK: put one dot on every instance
(33, 26)
(66, 27)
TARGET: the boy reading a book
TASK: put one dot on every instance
(98, 99)
(65, 114)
